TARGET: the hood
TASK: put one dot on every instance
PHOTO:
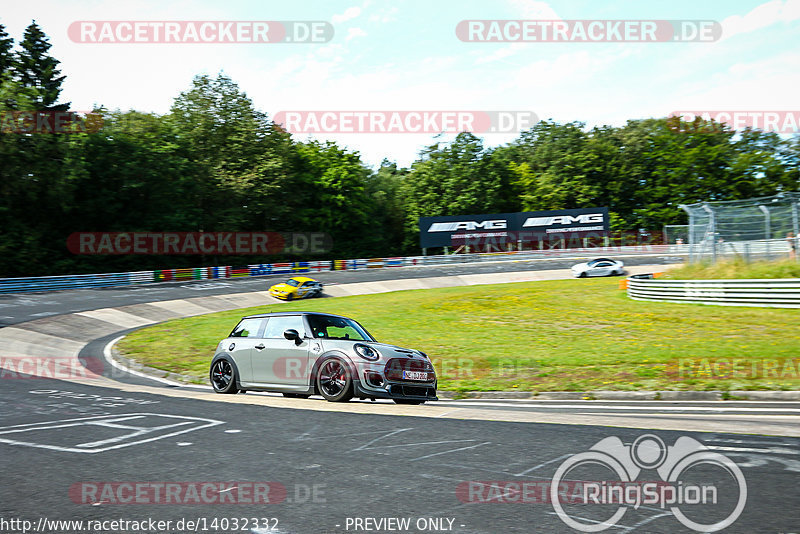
(282, 287)
(393, 350)
(386, 350)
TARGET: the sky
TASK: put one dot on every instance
(405, 55)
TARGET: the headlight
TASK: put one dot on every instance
(366, 352)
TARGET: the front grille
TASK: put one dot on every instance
(395, 367)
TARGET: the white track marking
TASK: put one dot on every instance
(535, 467)
(771, 450)
(116, 364)
(369, 443)
(108, 421)
(453, 450)
(632, 408)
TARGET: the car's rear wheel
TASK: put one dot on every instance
(224, 376)
(296, 395)
(334, 380)
(408, 401)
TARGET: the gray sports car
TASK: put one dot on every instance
(301, 354)
(598, 267)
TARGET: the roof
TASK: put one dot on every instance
(278, 314)
(302, 279)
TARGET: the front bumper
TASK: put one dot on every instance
(387, 381)
(398, 390)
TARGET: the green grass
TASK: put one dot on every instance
(735, 269)
(565, 335)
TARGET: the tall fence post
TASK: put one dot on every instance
(796, 232)
(767, 228)
(711, 232)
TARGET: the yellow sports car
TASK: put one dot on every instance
(299, 287)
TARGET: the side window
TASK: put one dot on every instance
(347, 332)
(247, 328)
(279, 324)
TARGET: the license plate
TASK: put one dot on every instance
(415, 375)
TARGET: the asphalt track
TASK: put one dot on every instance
(348, 470)
(17, 308)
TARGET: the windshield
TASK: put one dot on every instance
(292, 282)
(325, 326)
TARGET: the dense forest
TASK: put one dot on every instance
(215, 163)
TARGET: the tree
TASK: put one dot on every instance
(6, 55)
(456, 178)
(332, 192)
(240, 157)
(385, 192)
(38, 70)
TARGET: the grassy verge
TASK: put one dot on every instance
(735, 269)
(565, 335)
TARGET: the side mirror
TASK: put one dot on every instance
(292, 334)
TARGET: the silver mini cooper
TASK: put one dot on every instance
(301, 354)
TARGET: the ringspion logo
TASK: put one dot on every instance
(697, 503)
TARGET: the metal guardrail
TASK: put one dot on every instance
(85, 281)
(767, 293)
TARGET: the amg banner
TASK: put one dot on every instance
(457, 230)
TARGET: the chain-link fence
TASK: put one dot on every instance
(755, 228)
(676, 234)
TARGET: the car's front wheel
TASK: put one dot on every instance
(582, 275)
(334, 380)
(224, 376)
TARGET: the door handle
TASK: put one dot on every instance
(260, 347)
